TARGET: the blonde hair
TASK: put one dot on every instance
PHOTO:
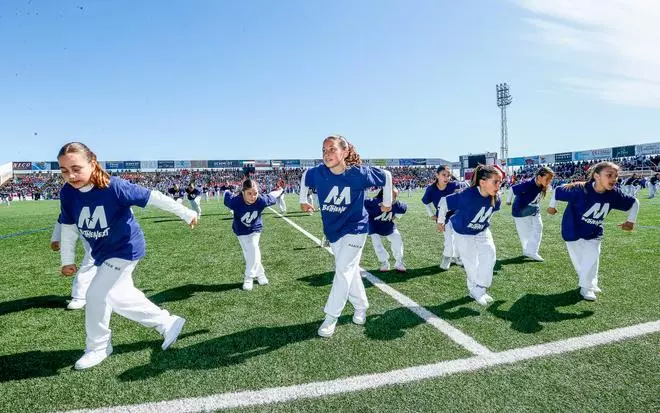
(353, 158)
(99, 178)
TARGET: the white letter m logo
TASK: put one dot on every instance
(90, 221)
(596, 212)
(482, 215)
(337, 198)
(248, 217)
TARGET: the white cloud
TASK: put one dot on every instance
(614, 43)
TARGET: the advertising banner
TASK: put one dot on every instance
(564, 157)
(291, 163)
(165, 164)
(412, 162)
(148, 165)
(182, 164)
(131, 164)
(22, 166)
(549, 158)
(307, 163)
(199, 164)
(623, 151)
(54, 166)
(41, 166)
(531, 160)
(114, 165)
(593, 154)
(392, 162)
(223, 163)
(518, 161)
(648, 149)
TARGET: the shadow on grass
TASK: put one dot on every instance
(389, 277)
(512, 261)
(392, 276)
(392, 324)
(184, 292)
(226, 350)
(33, 364)
(530, 311)
(44, 301)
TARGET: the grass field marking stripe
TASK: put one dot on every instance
(377, 380)
(18, 234)
(450, 331)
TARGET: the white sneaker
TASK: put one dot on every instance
(92, 358)
(457, 261)
(172, 333)
(484, 299)
(445, 263)
(588, 295)
(248, 283)
(327, 329)
(76, 304)
(535, 257)
(399, 267)
(360, 317)
(325, 242)
(262, 280)
(384, 266)
(596, 289)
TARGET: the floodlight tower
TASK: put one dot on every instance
(503, 100)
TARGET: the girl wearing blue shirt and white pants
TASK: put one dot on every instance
(341, 183)
(526, 211)
(473, 208)
(247, 225)
(97, 207)
(441, 187)
(582, 224)
(381, 224)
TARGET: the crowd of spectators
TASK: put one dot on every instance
(46, 185)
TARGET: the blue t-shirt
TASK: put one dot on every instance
(587, 209)
(472, 211)
(247, 218)
(528, 195)
(105, 220)
(176, 193)
(381, 223)
(192, 193)
(433, 195)
(341, 197)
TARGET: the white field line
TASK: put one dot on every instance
(372, 381)
(452, 332)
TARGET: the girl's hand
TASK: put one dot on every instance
(306, 208)
(441, 227)
(552, 211)
(434, 218)
(55, 245)
(193, 223)
(69, 270)
(627, 226)
(384, 208)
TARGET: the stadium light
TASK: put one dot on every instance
(503, 100)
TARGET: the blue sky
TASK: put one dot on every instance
(269, 79)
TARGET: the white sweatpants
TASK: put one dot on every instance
(112, 290)
(252, 254)
(585, 255)
(85, 274)
(195, 205)
(478, 255)
(396, 246)
(652, 189)
(347, 283)
(450, 245)
(281, 204)
(530, 232)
